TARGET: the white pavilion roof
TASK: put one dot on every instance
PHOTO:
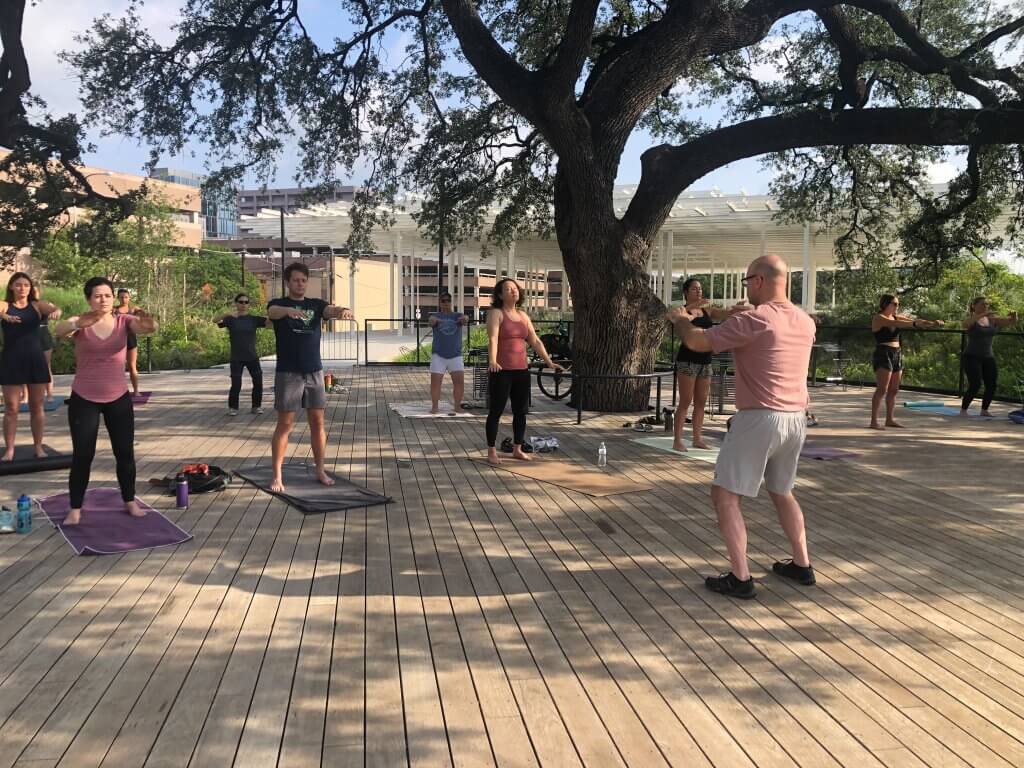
(708, 227)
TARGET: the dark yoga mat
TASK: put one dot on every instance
(106, 529)
(48, 405)
(25, 461)
(304, 492)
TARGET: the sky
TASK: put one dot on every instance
(47, 32)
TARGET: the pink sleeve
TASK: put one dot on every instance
(737, 331)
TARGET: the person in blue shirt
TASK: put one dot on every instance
(446, 354)
(299, 380)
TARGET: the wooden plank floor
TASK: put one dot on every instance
(485, 619)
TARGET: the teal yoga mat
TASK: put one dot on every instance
(947, 410)
(48, 405)
(709, 456)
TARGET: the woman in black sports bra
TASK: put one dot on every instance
(887, 359)
(693, 369)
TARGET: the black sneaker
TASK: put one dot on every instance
(729, 585)
(790, 570)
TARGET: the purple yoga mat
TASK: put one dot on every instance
(825, 453)
(106, 529)
(141, 399)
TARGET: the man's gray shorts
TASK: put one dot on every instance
(294, 391)
(761, 445)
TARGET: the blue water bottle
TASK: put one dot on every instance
(24, 514)
(181, 491)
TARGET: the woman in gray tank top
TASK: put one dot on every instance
(979, 362)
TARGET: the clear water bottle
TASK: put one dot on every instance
(602, 456)
(24, 514)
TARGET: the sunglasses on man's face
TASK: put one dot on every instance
(242, 301)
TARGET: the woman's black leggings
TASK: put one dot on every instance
(979, 369)
(255, 372)
(502, 386)
(84, 419)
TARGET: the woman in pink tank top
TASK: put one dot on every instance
(509, 330)
(99, 389)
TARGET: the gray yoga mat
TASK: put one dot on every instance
(304, 492)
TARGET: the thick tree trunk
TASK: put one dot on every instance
(618, 321)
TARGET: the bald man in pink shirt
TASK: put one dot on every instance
(771, 344)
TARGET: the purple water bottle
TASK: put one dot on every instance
(181, 490)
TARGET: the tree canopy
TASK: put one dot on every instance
(474, 103)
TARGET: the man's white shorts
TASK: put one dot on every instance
(445, 365)
(761, 445)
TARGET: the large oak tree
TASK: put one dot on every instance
(530, 103)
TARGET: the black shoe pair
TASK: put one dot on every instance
(507, 446)
(727, 584)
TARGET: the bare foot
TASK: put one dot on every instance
(963, 411)
(277, 485)
(891, 423)
(876, 425)
(458, 409)
(678, 445)
(987, 414)
(8, 456)
(40, 453)
(492, 458)
(132, 508)
(517, 453)
(324, 478)
(700, 444)
(73, 517)
(435, 409)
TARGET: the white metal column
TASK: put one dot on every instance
(460, 281)
(711, 281)
(668, 260)
(805, 293)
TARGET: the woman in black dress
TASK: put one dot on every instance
(22, 362)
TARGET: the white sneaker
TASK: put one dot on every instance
(232, 412)
(257, 411)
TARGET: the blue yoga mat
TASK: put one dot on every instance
(48, 405)
(947, 410)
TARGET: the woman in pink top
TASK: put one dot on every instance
(100, 389)
(509, 330)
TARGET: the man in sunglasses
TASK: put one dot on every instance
(242, 329)
(771, 344)
(446, 354)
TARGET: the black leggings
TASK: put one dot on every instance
(255, 372)
(84, 419)
(502, 386)
(979, 369)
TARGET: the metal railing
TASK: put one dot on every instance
(422, 333)
(339, 340)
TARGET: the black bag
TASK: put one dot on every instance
(214, 479)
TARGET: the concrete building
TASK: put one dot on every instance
(250, 201)
(220, 217)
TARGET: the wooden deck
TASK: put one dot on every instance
(485, 619)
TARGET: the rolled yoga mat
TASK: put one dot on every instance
(52, 404)
(25, 461)
(568, 475)
(924, 404)
(106, 529)
(304, 492)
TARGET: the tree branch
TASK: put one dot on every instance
(981, 44)
(513, 83)
(574, 48)
(667, 170)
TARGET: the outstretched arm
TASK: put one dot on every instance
(338, 313)
(141, 323)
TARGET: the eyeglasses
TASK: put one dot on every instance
(745, 278)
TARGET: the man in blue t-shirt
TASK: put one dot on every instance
(299, 380)
(447, 353)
